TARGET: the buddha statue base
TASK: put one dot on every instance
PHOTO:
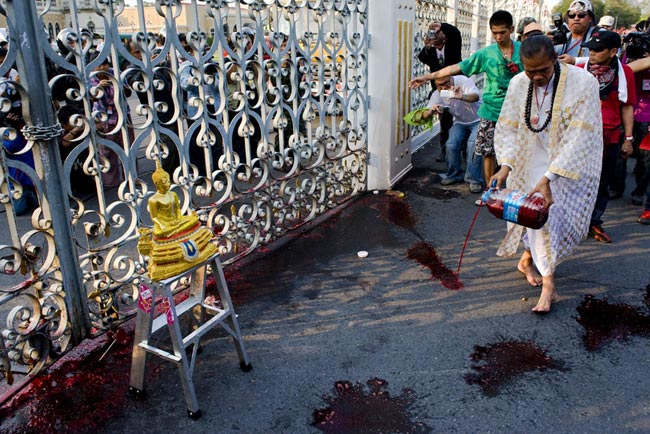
(175, 254)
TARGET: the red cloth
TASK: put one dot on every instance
(611, 106)
(645, 143)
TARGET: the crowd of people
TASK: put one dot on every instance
(180, 103)
(585, 112)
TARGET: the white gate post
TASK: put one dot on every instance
(391, 25)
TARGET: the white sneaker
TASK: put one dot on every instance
(475, 187)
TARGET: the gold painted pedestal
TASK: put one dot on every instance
(174, 255)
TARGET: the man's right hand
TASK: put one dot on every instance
(500, 177)
(418, 81)
(567, 58)
(436, 108)
(435, 25)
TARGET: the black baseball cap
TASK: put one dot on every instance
(603, 39)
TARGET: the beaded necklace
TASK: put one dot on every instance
(535, 117)
(529, 102)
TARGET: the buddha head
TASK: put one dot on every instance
(161, 179)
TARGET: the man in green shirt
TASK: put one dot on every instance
(500, 62)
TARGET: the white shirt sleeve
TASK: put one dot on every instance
(435, 99)
(469, 87)
(551, 176)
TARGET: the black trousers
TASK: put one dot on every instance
(446, 122)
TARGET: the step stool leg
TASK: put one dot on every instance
(224, 294)
(142, 333)
(184, 368)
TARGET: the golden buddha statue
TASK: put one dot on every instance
(177, 242)
(165, 209)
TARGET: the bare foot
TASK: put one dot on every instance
(547, 297)
(526, 266)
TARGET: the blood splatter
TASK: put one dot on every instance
(352, 410)
(398, 212)
(79, 395)
(499, 363)
(604, 321)
(426, 255)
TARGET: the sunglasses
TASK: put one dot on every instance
(581, 16)
(598, 49)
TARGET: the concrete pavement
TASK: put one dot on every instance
(313, 314)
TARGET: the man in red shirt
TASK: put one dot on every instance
(617, 99)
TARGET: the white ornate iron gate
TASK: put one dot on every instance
(257, 107)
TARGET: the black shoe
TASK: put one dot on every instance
(615, 194)
(599, 234)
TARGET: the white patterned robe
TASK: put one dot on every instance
(574, 146)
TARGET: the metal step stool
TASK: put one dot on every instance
(147, 323)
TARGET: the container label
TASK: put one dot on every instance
(512, 204)
(144, 298)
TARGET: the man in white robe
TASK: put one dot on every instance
(559, 158)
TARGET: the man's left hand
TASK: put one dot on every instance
(626, 149)
(543, 187)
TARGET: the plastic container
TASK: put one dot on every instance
(446, 93)
(517, 207)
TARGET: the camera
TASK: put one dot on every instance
(559, 34)
(637, 45)
(431, 34)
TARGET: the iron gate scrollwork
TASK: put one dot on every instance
(258, 108)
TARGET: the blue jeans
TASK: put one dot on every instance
(460, 134)
(28, 202)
